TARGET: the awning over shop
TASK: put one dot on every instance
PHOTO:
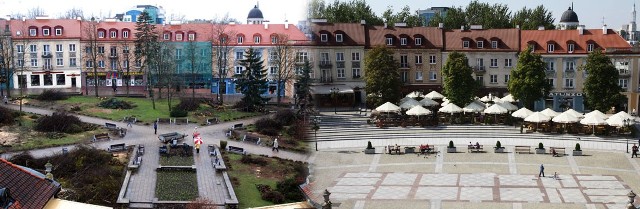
(326, 89)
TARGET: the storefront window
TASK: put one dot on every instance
(48, 80)
(60, 79)
(102, 80)
(138, 80)
(548, 102)
(35, 80)
(91, 81)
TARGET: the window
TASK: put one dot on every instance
(494, 62)
(480, 62)
(256, 39)
(179, 37)
(340, 72)
(432, 59)
(20, 48)
(34, 62)
(113, 64)
(125, 64)
(178, 54)
(404, 76)
(506, 78)
(590, 47)
(302, 57)
(46, 49)
(238, 70)
(89, 63)
(355, 56)
(551, 82)
(493, 78)
(324, 37)
(166, 36)
(239, 55)
(551, 66)
(324, 57)
(48, 80)
(59, 61)
(58, 31)
(433, 76)
(58, 47)
(480, 79)
(46, 32)
(72, 62)
(101, 63)
(20, 63)
(418, 75)
(508, 63)
(125, 34)
(114, 34)
(100, 34)
(623, 83)
(33, 48)
(339, 38)
(465, 44)
(33, 32)
(404, 61)
(35, 80)
(138, 63)
(403, 41)
(72, 47)
(340, 56)
(113, 51)
(88, 50)
(355, 72)
(273, 56)
(569, 66)
(47, 63)
(192, 37)
(494, 44)
(480, 44)
(389, 41)
(418, 59)
(570, 48)
(240, 39)
(60, 79)
(274, 39)
(273, 70)
(550, 47)
(418, 41)
(568, 83)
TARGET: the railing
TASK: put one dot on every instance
(623, 72)
(340, 64)
(46, 55)
(404, 65)
(355, 64)
(326, 79)
(46, 67)
(59, 54)
(479, 69)
(569, 69)
(325, 64)
(356, 76)
(113, 55)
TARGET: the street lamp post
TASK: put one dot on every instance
(626, 123)
(334, 94)
(315, 127)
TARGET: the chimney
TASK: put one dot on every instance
(400, 24)
(517, 26)
(363, 22)
(232, 23)
(286, 25)
(78, 18)
(441, 25)
(266, 26)
(604, 29)
(462, 27)
(541, 27)
(580, 29)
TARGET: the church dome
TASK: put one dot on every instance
(255, 13)
(569, 16)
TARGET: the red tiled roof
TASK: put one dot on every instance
(562, 37)
(71, 28)
(431, 36)
(249, 30)
(27, 189)
(507, 39)
(353, 34)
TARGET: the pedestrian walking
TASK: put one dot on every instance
(634, 151)
(275, 145)
(155, 127)
(129, 123)
(541, 170)
(197, 147)
(5, 100)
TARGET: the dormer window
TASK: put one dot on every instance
(179, 37)
(550, 47)
(465, 44)
(192, 36)
(389, 41)
(274, 39)
(403, 41)
(590, 47)
(46, 32)
(480, 44)
(33, 32)
(494, 44)
(125, 34)
(570, 48)
(324, 37)
(418, 41)
(240, 39)
(256, 39)
(100, 34)
(166, 36)
(532, 47)
(339, 38)
(113, 34)
(58, 31)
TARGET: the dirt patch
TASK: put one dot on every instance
(97, 110)
(7, 138)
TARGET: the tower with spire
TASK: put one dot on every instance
(633, 33)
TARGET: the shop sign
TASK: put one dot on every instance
(565, 94)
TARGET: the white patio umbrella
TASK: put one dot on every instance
(508, 105)
(405, 99)
(616, 120)
(445, 103)
(473, 107)
(428, 102)
(597, 113)
(410, 103)
(388, 107)
(624, 115)
(565, 118)
(522, 113)
(496, 109)
(537, 117)
(549, 112)
(496, 100)
(418, 111)
(414, 94)
(434, 95)
(508, 98)
(593, 120)
(574, 113)
(450, 108)
(485, 99)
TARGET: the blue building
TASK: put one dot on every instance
(157, 14)
(428, 14)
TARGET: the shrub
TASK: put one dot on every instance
(188, 104)
(178, 113)
(369, 146)
(289, 188)
(51, 95)
(59, 122)
(577, 147)
(498, 144)
(450, 144)
(7, 116)
(269, 132)
(265, 123)
(223, 144)
(540, 146)
(248, 159)
(273, 196)
(263, 188)
(285, 117)
(114, 103)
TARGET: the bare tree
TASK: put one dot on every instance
(125, 59)
(35, 12)
(7, 57)
(222, 51)
(197, 58)
(166, 70)
(91, 55)
(284, 56)
(72, 13)
(24, 51)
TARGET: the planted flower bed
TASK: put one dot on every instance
(176, 160)
(176, 185)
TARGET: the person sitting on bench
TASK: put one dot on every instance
(423, 149)
(554, 153)
(477, 145)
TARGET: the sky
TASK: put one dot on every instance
(276, 11)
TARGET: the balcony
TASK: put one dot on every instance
(569, 69)
(624, 72)
(340, 64)
(550, 73)
(404, 65)
(479, 69)
(355, 64)
(47, 67)
(326, 79)
(325, 64)
(59, 54)
(356, 76)
(113, 55)
(47, 55)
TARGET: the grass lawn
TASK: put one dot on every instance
(176, 161)
(176, 185)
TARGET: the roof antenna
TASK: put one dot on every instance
(574, 9)
(603, 21)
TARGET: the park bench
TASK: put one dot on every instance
(523, 149)
(102, 136)
(118, 131)
(141, 149)
(559, 151)
(251, 139)
(238, 150)
(474, 148)
(117, 147)
(130, 119)
(164, 138)
(218, 163)
(180, 121)
(391, 149)
(237, 126)
(212, 121)
(164, 120)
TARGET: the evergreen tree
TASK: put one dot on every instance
(304, 81)
(528, 82)
(146, 48)
(601, 86)
(252, 81)
(458, 83)
(382, 80)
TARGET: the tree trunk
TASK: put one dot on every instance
(278, 91)
(95, 78)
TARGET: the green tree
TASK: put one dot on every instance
(601, 86)
(530, 19)
(382, 80)
(454, 19)
(146, 48)
(252, 81)
(476, 13)
(458, 83)
(528, 81)
(302, 89)
(344, 12)
(403, 16)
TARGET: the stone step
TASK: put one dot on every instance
(140, 205)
